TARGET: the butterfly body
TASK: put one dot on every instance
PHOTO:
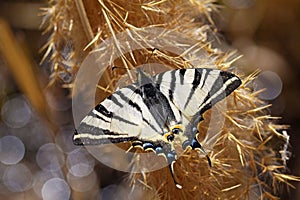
(157, 111)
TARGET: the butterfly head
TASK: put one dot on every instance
(173, 131)
(175, 137)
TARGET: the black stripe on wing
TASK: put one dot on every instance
(136, 90)
(128, 100)
(104, 111)
(172, 85)
(224, 78)
(100, 108)
(98, 117)
(157, 103)
(195, 83)
(114, 99)
(205, 76)
(87, 135)
(230, 88)
(181, 76)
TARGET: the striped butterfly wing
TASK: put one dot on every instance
(97, 127)
(135, 112)
(193, 91)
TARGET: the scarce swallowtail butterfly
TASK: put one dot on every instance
(156, 111)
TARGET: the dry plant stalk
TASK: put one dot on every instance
(249, 157)
(21, 68)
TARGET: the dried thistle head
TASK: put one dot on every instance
(248, 152)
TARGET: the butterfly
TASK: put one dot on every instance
(156, 111)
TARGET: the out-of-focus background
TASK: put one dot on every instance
(36, 120)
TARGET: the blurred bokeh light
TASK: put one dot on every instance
(16, 112)
(56, 188)
(49, 157)
(270, 83)
(17, 178)
(12, 150)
